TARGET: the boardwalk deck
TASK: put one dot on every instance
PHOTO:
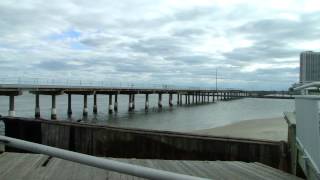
(36, 166)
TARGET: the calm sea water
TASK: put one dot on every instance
(177, 118)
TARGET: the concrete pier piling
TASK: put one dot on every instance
(192, 98)
(133, 101)
(95, 106)
(178, 98)
(146, 105)
(115, 103)
(11, 112)
(53, 107)
(110, 104)
(160, 100)
(170, 100)
(37, 106)
(85, 105)
(130, 103)
(196, 97)
(69, 106)
(186, 99)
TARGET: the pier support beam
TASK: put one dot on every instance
(69, 112)
(110, 104)
(11, 112)
(85, 105)
(95, 106)
(146, 106)
(37, 107)
(133, 101)
(202, 98)
(170, 100)
(130, 103)
(160, 100)
(115, 103)
(196, 96)
(192, 98)
(212, 97)
(178, 99)
(53, 107)
(186, 99)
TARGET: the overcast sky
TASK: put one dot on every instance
(253, 44)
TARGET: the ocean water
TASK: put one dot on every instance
(178, 118)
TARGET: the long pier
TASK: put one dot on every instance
(184, 96)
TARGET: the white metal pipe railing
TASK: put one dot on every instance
(102, 163)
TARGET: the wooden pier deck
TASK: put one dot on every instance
(37, 166)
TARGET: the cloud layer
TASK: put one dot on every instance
(253, 45)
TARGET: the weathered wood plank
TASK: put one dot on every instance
(35, 166)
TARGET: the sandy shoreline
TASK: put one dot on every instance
(275, 129)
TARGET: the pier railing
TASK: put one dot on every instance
(91, 83)
(139, 171)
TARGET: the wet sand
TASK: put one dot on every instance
(275, 129)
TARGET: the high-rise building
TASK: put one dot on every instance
(309, 66)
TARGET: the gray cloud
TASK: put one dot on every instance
(167, 42)
(56, 65)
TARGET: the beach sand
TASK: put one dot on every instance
(275, 129)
